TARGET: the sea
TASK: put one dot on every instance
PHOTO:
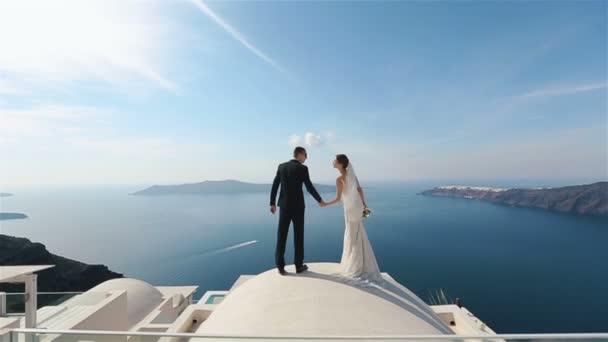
(519, 270)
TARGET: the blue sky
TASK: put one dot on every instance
(140, 91)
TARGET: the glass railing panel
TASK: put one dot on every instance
(15, 302)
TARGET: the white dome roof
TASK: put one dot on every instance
(320, 303)
(142, 297)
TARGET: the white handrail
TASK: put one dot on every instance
(573, 336)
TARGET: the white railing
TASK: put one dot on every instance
(64, 293)
(5, 295)
(514, 337)
(45, 293)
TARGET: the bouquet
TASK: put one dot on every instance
(367, 212)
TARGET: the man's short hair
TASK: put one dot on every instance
(298, 150)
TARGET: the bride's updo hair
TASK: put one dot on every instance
(342, 159)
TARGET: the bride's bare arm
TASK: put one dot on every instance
(339, 186)
(361, 193)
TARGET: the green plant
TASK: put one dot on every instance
(438, 297)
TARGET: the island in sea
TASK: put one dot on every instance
(12, 216)
(588, 199)
(223, 187)
(67, 275)
(5, 194)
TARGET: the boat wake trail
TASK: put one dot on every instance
(231, 248)
(182, 266)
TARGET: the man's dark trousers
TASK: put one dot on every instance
(286, 217)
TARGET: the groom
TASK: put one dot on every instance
(291, 175)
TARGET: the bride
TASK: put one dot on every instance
(358, 260)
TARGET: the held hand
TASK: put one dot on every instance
(322, 204)
(273, 209)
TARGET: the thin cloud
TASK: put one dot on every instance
(57, 43)
(582, 154)
(295, 140)
(44, 121)
(312, 139)
(156, 148)
(569, 90)
(238, 36)
(8, 88)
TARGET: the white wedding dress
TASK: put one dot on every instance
(358, 260)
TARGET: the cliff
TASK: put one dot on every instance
(67, 275)
(12, 216)
(225, 187)
(588, 199)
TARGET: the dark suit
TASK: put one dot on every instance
(291, 175)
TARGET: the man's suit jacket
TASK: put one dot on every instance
(291, 175)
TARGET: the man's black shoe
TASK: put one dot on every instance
(301, 269)
(282, 271)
